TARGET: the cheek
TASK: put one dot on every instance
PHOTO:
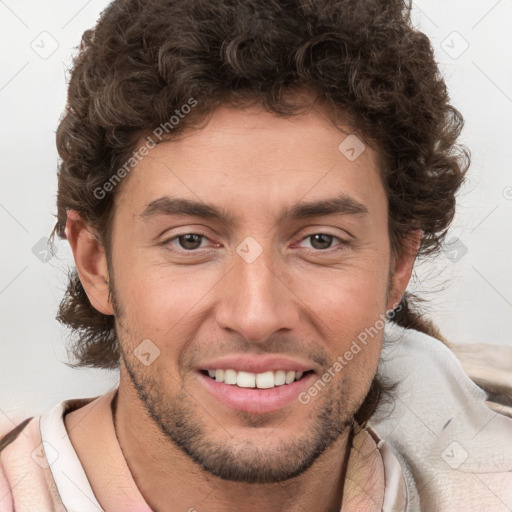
(348, 307)
(160, 301)
(353, 320)
(353, 296)
(356, 304)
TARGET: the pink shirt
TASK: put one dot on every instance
(41, 470)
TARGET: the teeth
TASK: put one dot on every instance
(230, 376)
(264, 380)
(279, 378)
(245, 379)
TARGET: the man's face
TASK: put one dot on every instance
(255, 292)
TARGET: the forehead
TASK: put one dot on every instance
(252, 160)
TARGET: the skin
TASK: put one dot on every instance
(300, 298)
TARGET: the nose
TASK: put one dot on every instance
(256, 301)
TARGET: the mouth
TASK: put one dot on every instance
(256, 393)
(265, 380)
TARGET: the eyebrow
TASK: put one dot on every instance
(341, 205)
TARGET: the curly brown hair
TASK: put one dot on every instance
(363, 58)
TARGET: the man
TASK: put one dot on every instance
(246, 187)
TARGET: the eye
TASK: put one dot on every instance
(187, 241)
(322, 241)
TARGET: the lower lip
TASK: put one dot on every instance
(256, 400)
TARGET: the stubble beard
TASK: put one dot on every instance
(180, 419)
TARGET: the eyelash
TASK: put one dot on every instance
(343, 243)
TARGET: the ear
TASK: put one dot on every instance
(402, 266)
(90, 261)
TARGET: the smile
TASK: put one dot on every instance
(256, 393)
(265, 380)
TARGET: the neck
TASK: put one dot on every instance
(165, 475)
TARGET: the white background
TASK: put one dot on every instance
(469, 294)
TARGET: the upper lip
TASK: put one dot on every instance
(256, 364)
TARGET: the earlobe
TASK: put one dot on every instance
(90, 261)
(402, 267)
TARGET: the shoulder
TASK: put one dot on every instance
(8, 436)
(490, 367)
(477, 377)
(19, 453)
(439, 421)
(27, 458)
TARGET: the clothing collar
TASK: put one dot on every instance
(374, 479)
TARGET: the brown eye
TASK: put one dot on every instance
(321, 240)
(324, 243)
(190, 241)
